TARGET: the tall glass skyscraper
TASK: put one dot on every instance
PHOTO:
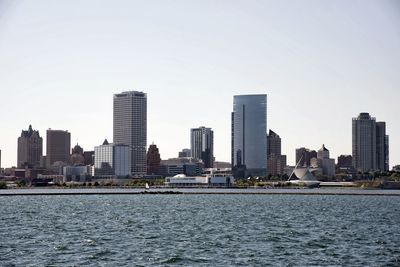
(249, 127)
(130, 127)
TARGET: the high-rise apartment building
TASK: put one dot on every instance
(249, 145)
(30, 148)
(130, 127)
(202, 145)
(58, 146)
(370, 144)
(276, 162)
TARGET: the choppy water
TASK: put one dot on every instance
(199, 230)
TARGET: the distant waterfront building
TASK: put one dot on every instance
(130, 127)
(304, 156)
(222, 165)
(202, 145)
(382, 147)
(276, 162)
(153, 160)
(370, 144)
(75, 173)
(187, 166)
(112, 160)
(58, 145)
(327, 164)
(30, 148)
(248, 128)
(185, 153)
(89, 157)
(77, 157)
(273, 144)
(43, 162)
(345, 162)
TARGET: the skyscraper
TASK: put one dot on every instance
(202, 145)
(275, 161)
(249, 145)
(30, 148)
(130, 127)
(58, 146)
(273, 144)
(153, 160)
(382, 147)
(369, 144)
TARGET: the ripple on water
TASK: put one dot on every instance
(190, 230)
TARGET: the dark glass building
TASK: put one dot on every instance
(249, 126)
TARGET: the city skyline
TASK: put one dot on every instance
(341, 60)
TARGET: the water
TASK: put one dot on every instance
(199, 230)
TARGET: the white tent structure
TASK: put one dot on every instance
(305, 177)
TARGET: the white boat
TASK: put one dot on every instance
(147, 186)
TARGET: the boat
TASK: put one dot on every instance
(147, 186)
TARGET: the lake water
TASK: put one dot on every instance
(199, 230)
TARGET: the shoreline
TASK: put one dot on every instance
(198, 191)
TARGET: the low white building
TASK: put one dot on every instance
(182, 180)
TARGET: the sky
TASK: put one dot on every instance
(319, 62)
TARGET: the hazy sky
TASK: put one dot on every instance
(320, 63)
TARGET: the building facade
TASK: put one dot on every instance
(274, 144)
(202, 145)
(112, 160)
(30, 149)
(89, 157)
(153, 160)
(325, 163)
(58, 145)
(248, 128)
(77, 157)
(304, 156)
(130, 127)
(345, 162)
(382, 147)
(276, 162)
(185, 153)
(370, 144)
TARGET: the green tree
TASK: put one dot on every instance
(3, 185)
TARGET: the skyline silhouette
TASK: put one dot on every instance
(320, 63)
